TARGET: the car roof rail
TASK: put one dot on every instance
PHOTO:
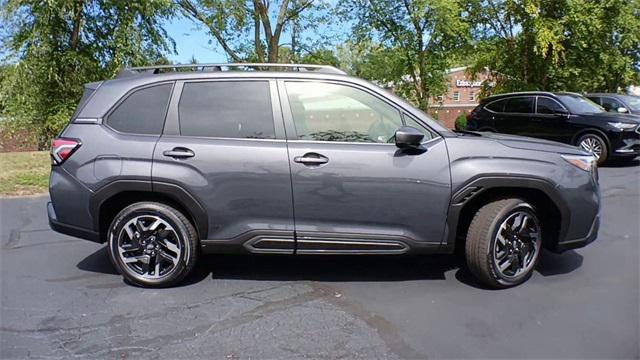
(157, 69)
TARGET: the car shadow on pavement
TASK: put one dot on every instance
(337, 268)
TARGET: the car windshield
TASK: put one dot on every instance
(579, 104)
(633, 102)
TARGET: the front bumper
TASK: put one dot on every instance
(70, 230)
(626, 144)
(580, 242)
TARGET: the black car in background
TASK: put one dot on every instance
(617, 103)
(564, 117)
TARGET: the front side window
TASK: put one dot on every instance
(611, 104)
(226, 109)
(456, 96)
(548, 106)
(333, 112)
(520, 105)
(142, 112)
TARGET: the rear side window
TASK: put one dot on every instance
(496, 106)
(143, 111)
(226, 109)
(522, 105)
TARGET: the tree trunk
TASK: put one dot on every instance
(77, 22)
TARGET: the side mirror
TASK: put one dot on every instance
(408, 137)
(623, 110)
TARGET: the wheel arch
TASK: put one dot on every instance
(595, 131)
(551, 209)
(107, 202)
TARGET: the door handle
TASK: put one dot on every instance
(311, 159)
(179, 152)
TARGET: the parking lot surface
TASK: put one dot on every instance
(61, 298)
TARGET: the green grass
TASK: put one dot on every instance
(24, 173)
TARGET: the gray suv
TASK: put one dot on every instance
(164, 164)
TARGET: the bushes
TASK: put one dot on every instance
(461, 121)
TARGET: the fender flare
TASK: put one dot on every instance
(171, 191)
(482, 183)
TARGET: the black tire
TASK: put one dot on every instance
(604, 153)
(174, 243)
(482, 239)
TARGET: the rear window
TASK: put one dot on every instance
(143, 111)
(522, 105)
(226, 109)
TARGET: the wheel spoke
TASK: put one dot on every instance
(170, 246)
(506, 264)
(155, 225)
(140, 226)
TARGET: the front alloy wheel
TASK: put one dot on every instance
(503, 243)
(152, 244)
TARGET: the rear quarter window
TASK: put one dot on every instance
(142, 112)
(496, 106)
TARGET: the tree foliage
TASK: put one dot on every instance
(416, 41)
(577, 45)
(55, 46)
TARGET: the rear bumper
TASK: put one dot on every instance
(70, 230)
(580, 242)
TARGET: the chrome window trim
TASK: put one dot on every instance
(356, 143)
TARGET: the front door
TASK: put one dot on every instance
(353, 189)
(551, 121)
(224, 143)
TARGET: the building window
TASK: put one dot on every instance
(472, 96)
(456, 96)
(439, 98)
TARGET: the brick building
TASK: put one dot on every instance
(461, 96)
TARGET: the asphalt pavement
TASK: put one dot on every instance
(61, 298)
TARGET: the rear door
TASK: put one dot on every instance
(517, 115)
(353, 189)
(224, 143)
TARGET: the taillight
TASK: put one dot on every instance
(62, 149)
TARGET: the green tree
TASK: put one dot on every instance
(417, 41)
(577, 45)
(253, 29)
(56, 46)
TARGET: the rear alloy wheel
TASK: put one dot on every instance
(595, 145)
(152, 244)
(504, 243)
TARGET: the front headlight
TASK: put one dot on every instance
(582, 162)
(623, 126)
